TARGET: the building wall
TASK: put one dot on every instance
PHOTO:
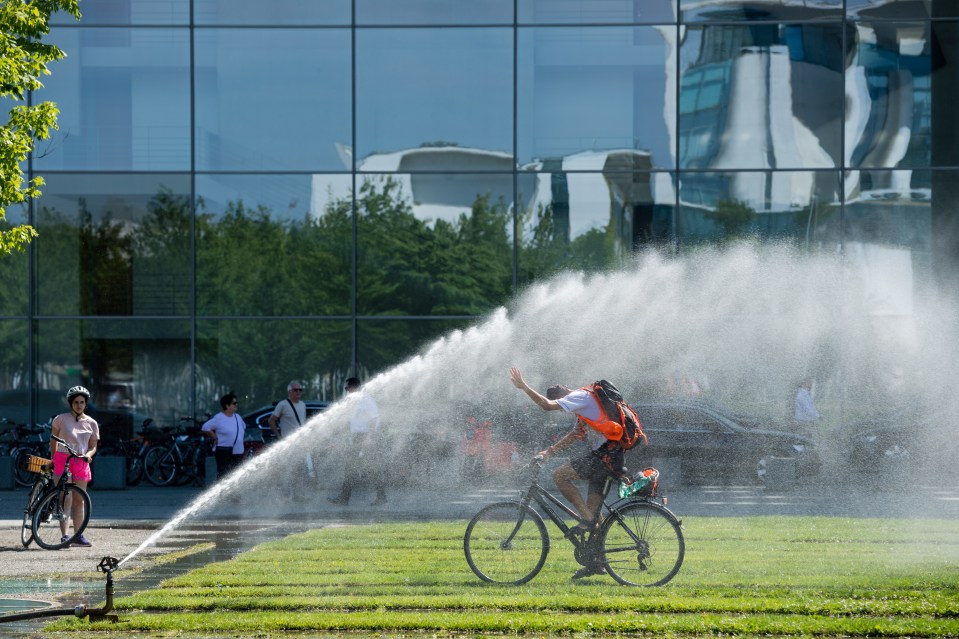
(241, 193)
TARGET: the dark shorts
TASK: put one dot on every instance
(595, 467)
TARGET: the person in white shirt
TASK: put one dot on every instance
(289, 415)
(805, 413)
(593, 466)
(227, 429)
(364, 454)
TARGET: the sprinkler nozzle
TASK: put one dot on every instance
(108, 565)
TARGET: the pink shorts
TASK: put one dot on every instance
(79, 467)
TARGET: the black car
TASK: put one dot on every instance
(919, 444)
(260, 418)
(714, 446)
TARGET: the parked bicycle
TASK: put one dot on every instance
(30, 441)
(51, 504)
(134, 450)
(181, 460)
(639, 541)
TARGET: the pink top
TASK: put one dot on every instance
(77, 433)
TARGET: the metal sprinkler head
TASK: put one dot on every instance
(108, 565)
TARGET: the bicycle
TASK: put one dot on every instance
(135, 450)
(51, 502)
(183, 459)
(30, 441)
(639, 541)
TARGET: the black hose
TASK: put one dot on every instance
(39, 614)
(107, 565)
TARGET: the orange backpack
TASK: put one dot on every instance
(617, 421)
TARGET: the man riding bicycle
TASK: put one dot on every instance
(603, 459)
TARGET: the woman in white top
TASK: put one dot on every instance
(227, 429)
(82, 433)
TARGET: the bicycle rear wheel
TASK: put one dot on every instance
(26, 531)
(160, 465)
(55, 508)
(643, 544)
(506, 543)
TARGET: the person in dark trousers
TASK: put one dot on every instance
(590, 466)
(227, 429)
(364, 447)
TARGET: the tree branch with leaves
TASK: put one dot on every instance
(23, 61)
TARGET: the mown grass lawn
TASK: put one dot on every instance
(754, 576)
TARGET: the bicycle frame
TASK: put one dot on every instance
(555, 509)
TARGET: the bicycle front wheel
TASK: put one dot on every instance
(26, 531)
(642, 544)
(506, 543)
(160, 465)
(53, 514)
(134, 469)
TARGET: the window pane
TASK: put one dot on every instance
(594, 11)
(583, 90)
(124, 99)
(14, 382)
(797, 205)
(422, 12)
(272, 99)
(889, 112)
(125, 12)
(134, 368)
(265, 248)
(591, 221)
(434, 244)
(273, 13)
(888, 231)
(114, 245)
(901, 9)
(743, 10)
(383, 343)
(460, 95)
(761, 96)
(13, 269)
(256, 359)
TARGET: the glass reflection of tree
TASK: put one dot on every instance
(251, 263)
(548, 248)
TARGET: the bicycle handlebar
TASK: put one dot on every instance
(69, 448)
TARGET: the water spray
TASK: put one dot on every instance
(107, 565)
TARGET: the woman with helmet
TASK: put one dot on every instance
(82, 433)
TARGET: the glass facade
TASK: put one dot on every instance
(241, 192)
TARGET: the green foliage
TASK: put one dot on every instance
(23, 61)
(759, 576)
(733, 216)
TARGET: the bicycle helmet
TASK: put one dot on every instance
(77, 390)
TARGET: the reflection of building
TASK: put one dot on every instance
(433, 192)
(608, 190)
(827, 123)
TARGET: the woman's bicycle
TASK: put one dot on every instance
(51, 502)
(639, 541)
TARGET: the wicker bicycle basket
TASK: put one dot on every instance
(36, 464)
